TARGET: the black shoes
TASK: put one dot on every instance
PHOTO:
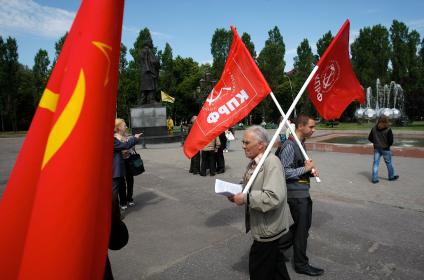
(394, 178)
(220, 171)
(310, 270)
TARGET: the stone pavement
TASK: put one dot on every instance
(180, 229)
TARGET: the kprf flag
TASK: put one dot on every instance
(241, 87)
(334, 86)
(166, 98)
(55, 212)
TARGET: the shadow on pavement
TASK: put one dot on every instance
(223, 217)
(144, 199)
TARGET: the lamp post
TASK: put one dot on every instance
(291, 92)
(205, 86)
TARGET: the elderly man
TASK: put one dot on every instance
(267, 212)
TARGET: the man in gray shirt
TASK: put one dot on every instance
(297, 172)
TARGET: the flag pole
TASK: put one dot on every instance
(305, 155)
(280, 127)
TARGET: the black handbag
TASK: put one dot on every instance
(118, 235)
(136, 165)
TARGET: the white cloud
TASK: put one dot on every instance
(291, 51)
(416, 24)
(135, 31)
(31, 17)
(160, 35)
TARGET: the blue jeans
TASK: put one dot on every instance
(387, 156)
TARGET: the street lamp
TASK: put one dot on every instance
(205, 86)
(291, 92)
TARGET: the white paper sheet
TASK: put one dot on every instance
(227, 188)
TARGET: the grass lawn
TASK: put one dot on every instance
(11, 134)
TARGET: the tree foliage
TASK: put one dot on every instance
(40, 72)
(271, 62)
(323, 43)
(303, 65)
(220, 46)
(405, 65)
(396, 54)
(58, 48)
(249, 44)
(371, 55)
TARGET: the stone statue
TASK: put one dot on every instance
(149, 65)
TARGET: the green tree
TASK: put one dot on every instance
(166, 77)
(40, 72)
(220, 46)
(58, 45)
(11, 84)
(323, 43)
(271, 63)
(249, 44)
(371, 55)
(3, 78)
(271, 58)
(123, 105)
(303, 64)
(24, 98)
(420, 92)
(187, 74)
(405, 65)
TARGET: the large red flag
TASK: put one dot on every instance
(55, 211)
(334, 86)
(241, 87)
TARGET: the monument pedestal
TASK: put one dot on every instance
(150, 119)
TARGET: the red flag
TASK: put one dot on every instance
(55, 211)
(334, 86)
(241, 87)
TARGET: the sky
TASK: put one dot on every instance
(188, 25)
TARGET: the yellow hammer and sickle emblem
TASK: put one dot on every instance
(102, 47)
(66, 121)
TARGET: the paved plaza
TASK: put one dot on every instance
(180, 229)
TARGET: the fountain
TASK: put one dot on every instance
(388, 101)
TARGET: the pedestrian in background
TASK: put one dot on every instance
(381, 136)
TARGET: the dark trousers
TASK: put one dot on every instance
(301, 211)
(267, 262)
(220, 161)
(195, 164)
(126, 187)
(129, 180)
(208, 160)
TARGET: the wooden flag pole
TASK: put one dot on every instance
(280, 127)
(305, 155)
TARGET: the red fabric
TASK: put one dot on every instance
(241, 87)
(334, 86)
(55, 213)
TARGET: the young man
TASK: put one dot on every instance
(297, 172)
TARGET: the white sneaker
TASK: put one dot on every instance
(124, 207)
(131, 203)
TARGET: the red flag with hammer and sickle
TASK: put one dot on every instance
(56, 209)
(241, 87)
(334, 86)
